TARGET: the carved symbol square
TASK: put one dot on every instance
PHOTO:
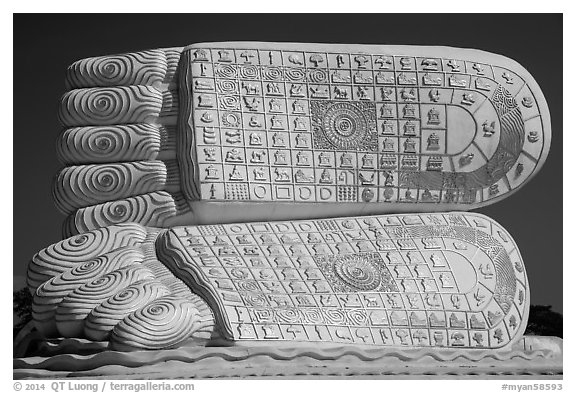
(356, 272)
(344, 125)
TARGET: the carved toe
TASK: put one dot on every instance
(142, 68)
(120, 149)
(108, 285)
(131, 142)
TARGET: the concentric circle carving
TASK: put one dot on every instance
(358, 272)
(225, 70)
(229, 102)
(249, 72)
(163, 323)
(141, 68)
(295, 74)
(345, 125)
(250, 286)
(288, 315)
(272, 73)
(110, 105)
(334, 316)
(79, 249)
(317, 76)
(227, 86)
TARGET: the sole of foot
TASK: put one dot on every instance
(452, 280)
(283, 131)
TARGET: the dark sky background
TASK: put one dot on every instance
(44, 45)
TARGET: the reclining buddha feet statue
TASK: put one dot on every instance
(453, 280)
(236, 132)
(173, 156)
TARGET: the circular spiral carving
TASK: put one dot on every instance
(111, 282)
(225, 71)
(226, 86)
(110, 105)
(264, 314)
(75, 307)
(79, 240)
(141, 68)
(86, 267)
(317, 76)
(113, 69)
(295, 74)
(109, 143)
(49, 295)
(334, 316)
(313, 316)
(67, 253)
(229, 102)
(163, 323)
(119, 210)
(153, 209)
(79, 243)
(86, 185)
(289, 315)
(255, 299)
(357, 317)
(249, 72)
(272, 73)
(358, 272)
(105, 103)
(104, 317)
(250, 286)
(345, 125)
(107, 179)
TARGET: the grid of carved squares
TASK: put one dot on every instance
(268, 116)
(261, 276)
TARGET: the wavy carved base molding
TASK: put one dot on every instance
(533, 357)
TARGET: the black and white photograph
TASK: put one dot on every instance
(350, 196)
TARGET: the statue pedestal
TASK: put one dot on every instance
(533, 357)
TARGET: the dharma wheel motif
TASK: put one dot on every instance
(344, 125)
(358, 272)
